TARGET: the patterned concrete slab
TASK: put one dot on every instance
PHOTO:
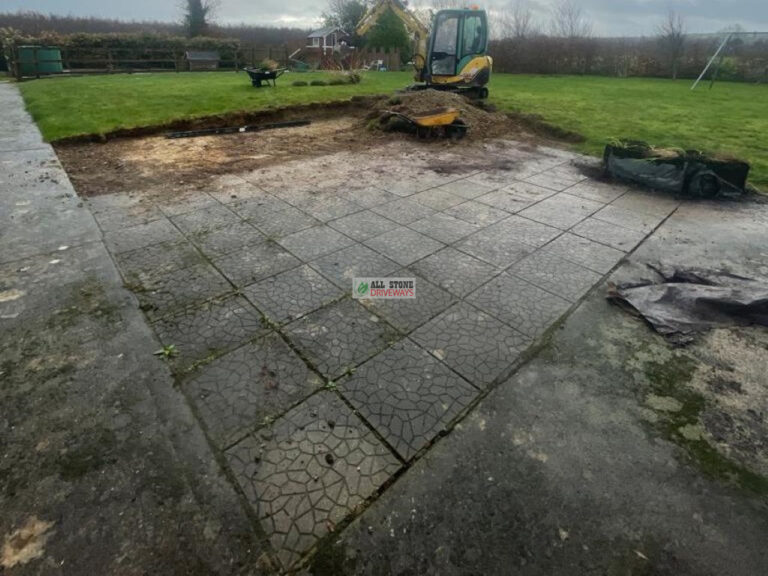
(141, 236)
(525, 231)
(369, 196)
(165, 294)
(143, 263)
(209, 330)
(118, 212)
(292, 294)
(477, 346)
(403, 245)
(255, 263)
(308, 471)
(647, 202)
(495, 246)
(597, 191)
(315, 242)
(556, 275)
(609, 234)
(562, 210)
(185, 203)
(328, 207)
(257, 208)
(444, 228)
(556, 179)
(455, 271)
(438, 198)
(527, 308)
(357, 261)
(467, 188)
(631, 219)
(408, 396)
(596, 257)
(362, 225)
(403, 211)
(529, 192)
(237, 392)
(505, 200)
(219, 242)
(339, 337)
(283, 223)
(209, 218)
(408, 314)
(477, 213)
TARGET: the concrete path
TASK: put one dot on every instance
(506, 421)
(103, 469)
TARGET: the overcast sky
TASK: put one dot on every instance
(610, 17)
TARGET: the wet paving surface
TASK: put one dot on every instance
(314, 399)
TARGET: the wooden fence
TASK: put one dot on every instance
(99, 60)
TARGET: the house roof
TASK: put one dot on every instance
(323, 32)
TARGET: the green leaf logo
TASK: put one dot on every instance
(362, 288)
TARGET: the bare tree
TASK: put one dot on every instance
(569, 20)
(521, 20)
(671, 34)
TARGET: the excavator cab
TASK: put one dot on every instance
(456, 56)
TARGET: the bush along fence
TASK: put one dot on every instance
(745, 60)
(126, 53)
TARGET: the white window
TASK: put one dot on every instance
(316, 42)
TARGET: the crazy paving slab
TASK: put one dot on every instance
(292, 294)
(308, 471)
(495, 246)
(222, 241)
(455, 271)
(254, 263)
(473, 343)
(136, 237)
(556, 275)
(362, 225)
(143, 263)
(283, 223)
(403, 245)
(315, 242)
(210, 329)
(164, 294)
(525, 307)
(408, 396)
(357, 261)
(597, 257)
(408, 314)
(340, 336)
(237, 392)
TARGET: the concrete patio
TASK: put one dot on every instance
(285, 408)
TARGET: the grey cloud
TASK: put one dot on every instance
(610, 17)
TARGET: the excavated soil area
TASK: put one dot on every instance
(143, 159)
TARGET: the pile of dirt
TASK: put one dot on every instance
(482, 121)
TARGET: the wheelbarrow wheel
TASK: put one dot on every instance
(457, 130)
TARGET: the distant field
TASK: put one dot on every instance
(731, 118)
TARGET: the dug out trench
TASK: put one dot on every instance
(144, 160)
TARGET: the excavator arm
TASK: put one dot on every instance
(412, 24)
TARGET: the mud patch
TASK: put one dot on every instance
(26, 544)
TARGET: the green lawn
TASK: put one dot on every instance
(731, 118)
(96, 104)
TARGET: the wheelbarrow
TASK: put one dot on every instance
(259, 75)
(437, 122)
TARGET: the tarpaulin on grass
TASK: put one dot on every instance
(679, 302)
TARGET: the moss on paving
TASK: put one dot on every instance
(670, 380)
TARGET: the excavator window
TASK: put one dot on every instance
(444, 50)
(474, 36)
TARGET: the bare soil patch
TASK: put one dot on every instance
(144, 160)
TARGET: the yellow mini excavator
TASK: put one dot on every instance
(452, 56)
